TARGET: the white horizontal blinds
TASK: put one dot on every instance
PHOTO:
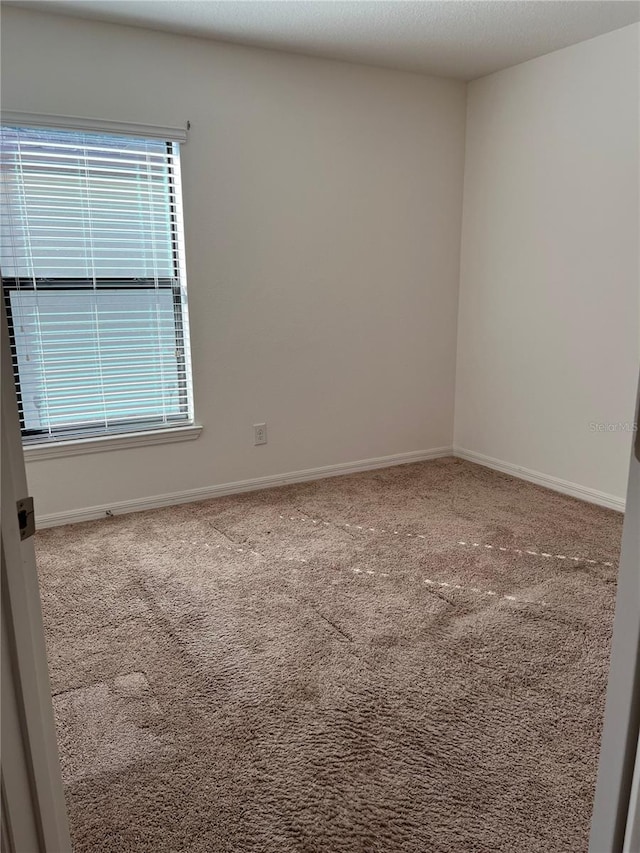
(91, 256)
(85, 205)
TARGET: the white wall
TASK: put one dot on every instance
(548, 318)
(322, 216)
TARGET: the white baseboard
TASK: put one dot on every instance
(190, 495)
(575, 490)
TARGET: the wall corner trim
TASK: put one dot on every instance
(565, 487)
(200, 494)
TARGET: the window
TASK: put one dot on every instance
(92, 263)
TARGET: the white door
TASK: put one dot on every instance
(616, 811)
(34, 818)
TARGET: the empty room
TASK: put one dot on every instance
(320, 373)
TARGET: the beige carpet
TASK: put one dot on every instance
(410, 660)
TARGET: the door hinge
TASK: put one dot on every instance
(26, 518)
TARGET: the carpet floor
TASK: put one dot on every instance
(409, 660)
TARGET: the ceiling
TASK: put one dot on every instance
(451, 38)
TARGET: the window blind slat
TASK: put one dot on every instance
(109, 197)
(88, 147)
(39, 156)
(111, 381)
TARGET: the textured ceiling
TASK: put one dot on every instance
(451, 38)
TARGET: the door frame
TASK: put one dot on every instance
(33, 805)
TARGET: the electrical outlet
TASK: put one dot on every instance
(259, 433)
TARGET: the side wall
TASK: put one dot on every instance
(322, 215)
(548, 319)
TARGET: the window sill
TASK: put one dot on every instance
(76, 447)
